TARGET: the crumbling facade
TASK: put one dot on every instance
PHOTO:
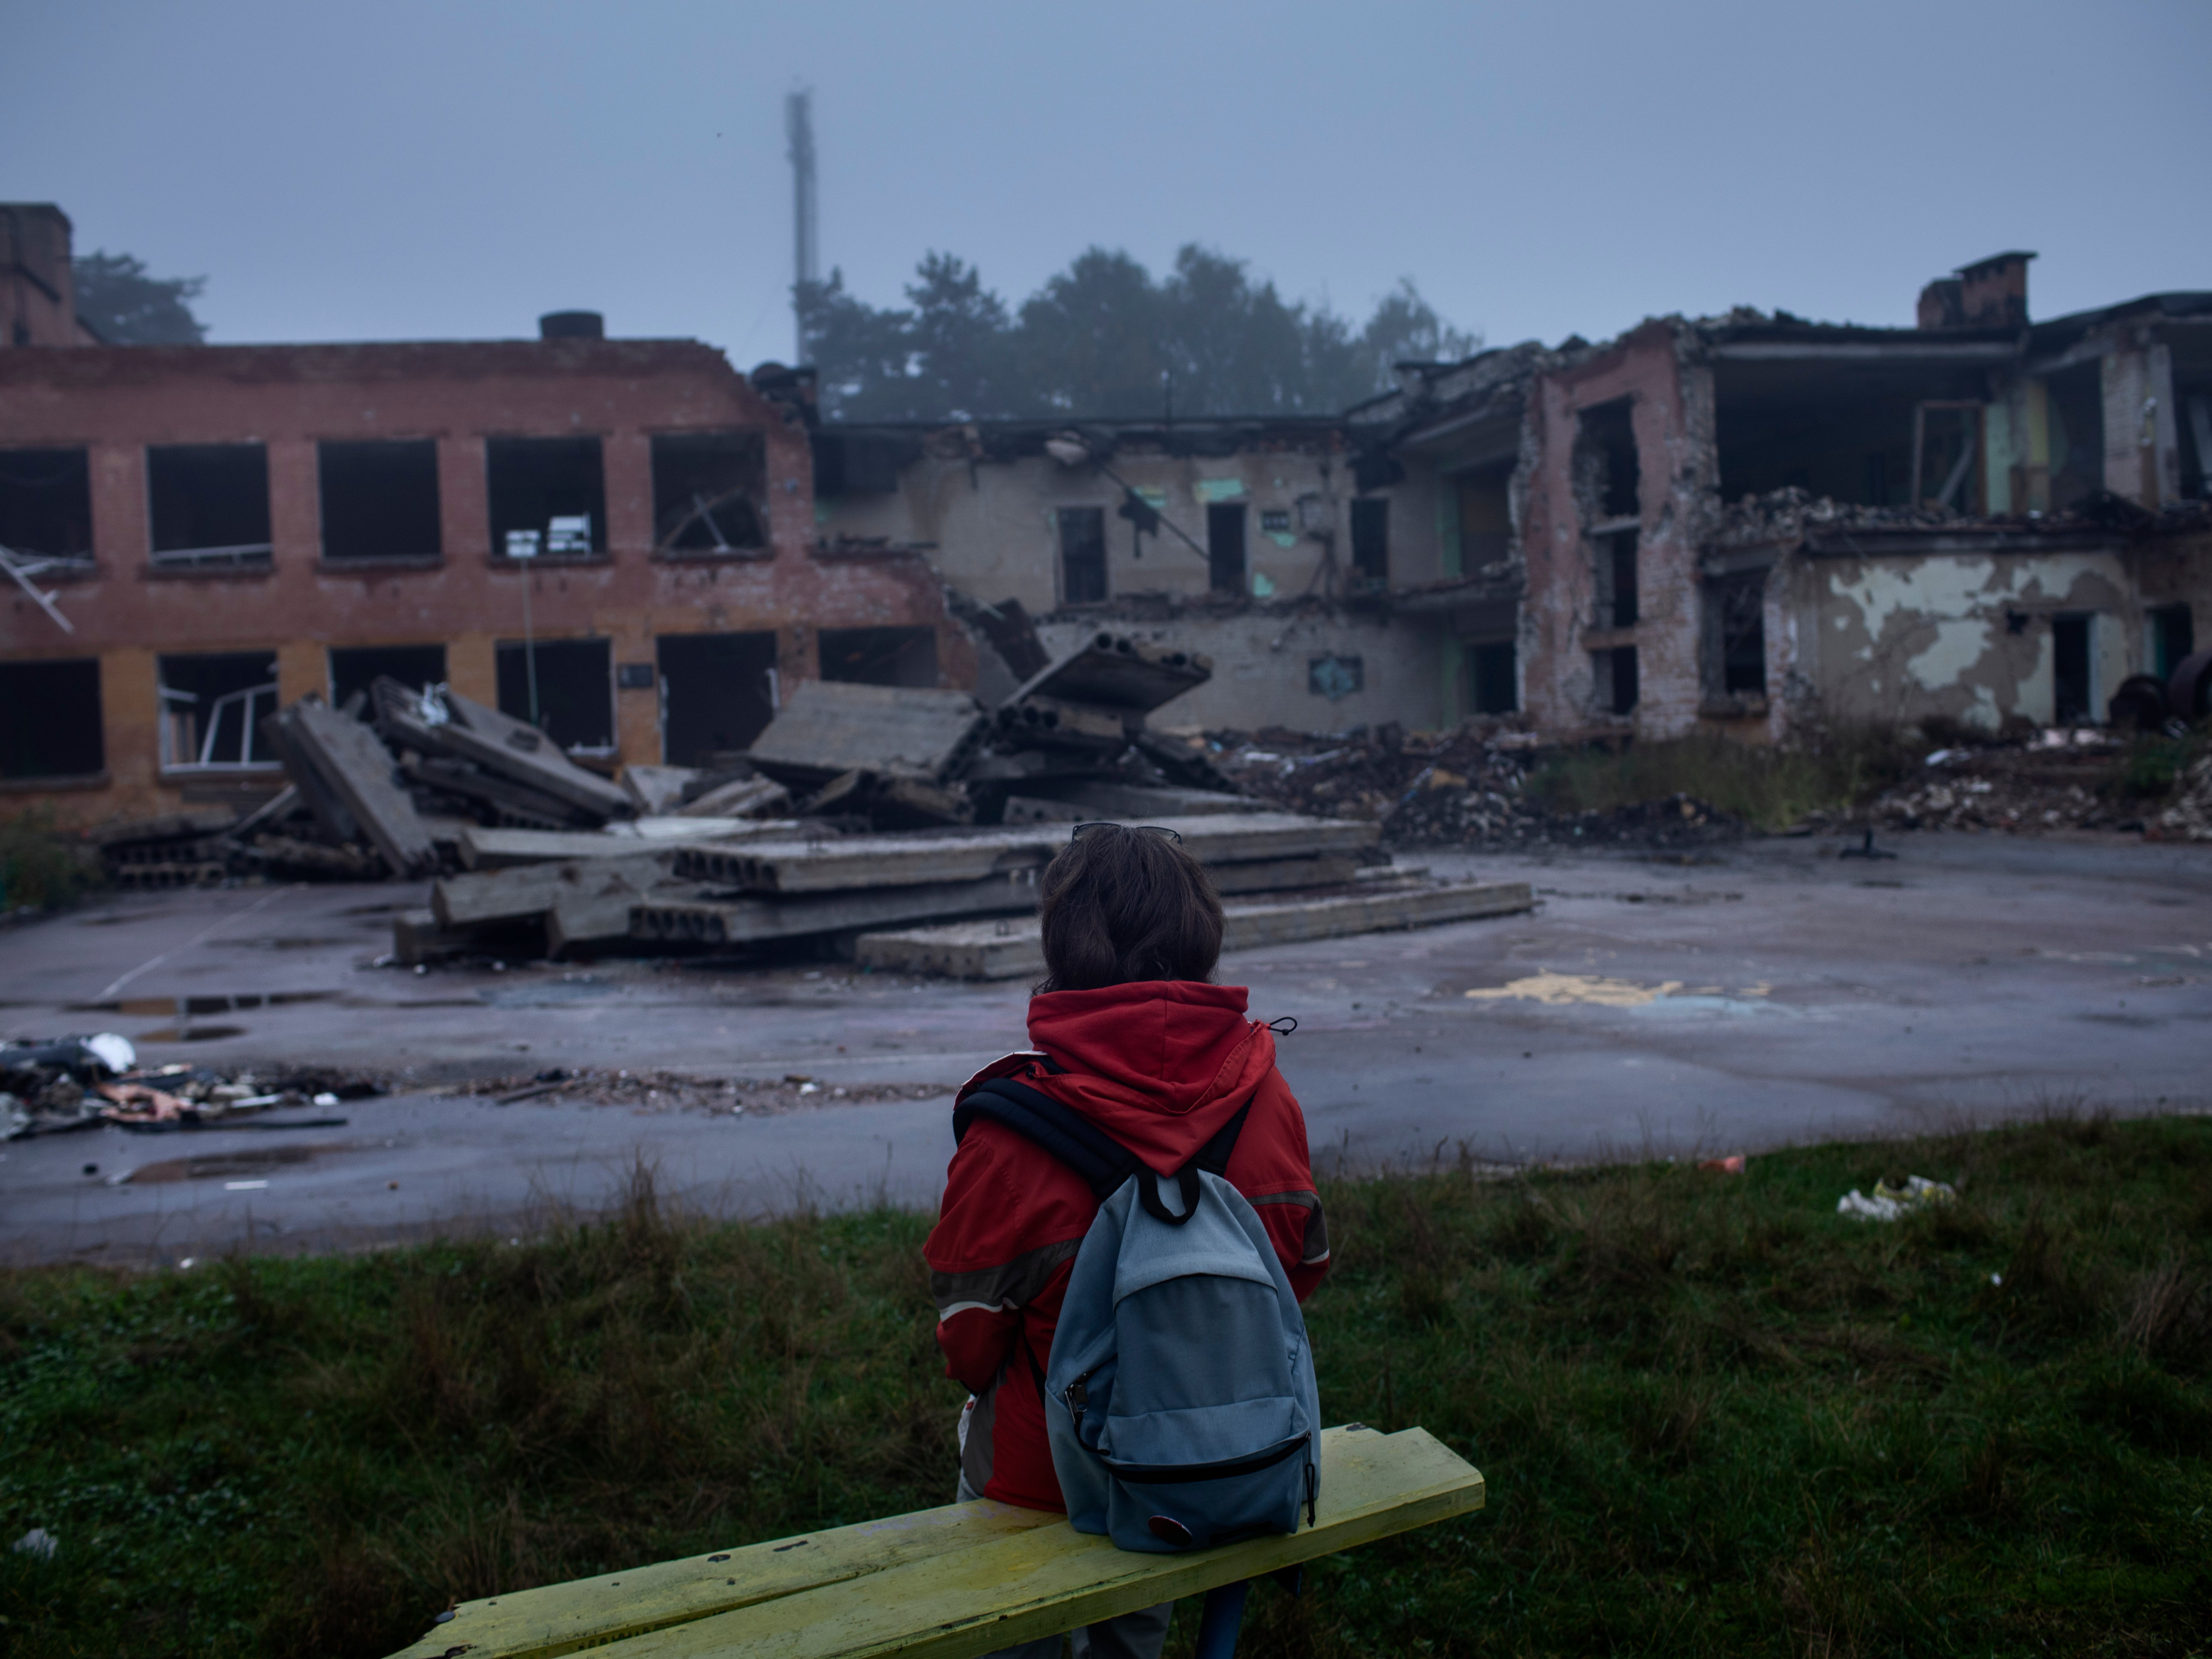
(612, 538)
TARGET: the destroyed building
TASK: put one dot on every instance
(1735, 524)
(196, 535)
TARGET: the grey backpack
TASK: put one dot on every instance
(1180, 1398)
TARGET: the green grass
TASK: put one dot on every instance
(1715, 1417)
(1769, 787)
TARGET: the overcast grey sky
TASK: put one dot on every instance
(438, 170)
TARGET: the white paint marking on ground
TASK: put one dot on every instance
(200, 938)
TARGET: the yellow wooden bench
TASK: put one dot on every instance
(950, 1583)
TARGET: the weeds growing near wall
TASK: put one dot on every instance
(1769, 787)
(43, 867)
(1714, 1415)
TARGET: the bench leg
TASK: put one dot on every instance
(1218, 1624)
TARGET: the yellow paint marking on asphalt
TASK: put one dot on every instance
(1556, 990)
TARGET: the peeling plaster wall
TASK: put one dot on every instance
(1261, 664)
(1906, 636)
(1672, 420)
(995, 531)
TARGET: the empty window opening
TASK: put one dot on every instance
(2196, 443)
(2172, 639)
(1616, 580)
(210, 503)
(1082, 554)
(354, 669)
(1613, 679)
(53, 728)
(1608, 476)
(879, 656)
(2073, 690)
(1495, 677)
(1946, 455)
(1486, 517)
(1839, 432)
(553, 489)
(708, 489)
(380, 500)
(2074, 433)
(1336, 678)
(46, 503)
(717, 693)
(575, 691)
(212, 708)
(1735, 609)
(1225, 546)
(1370, 543)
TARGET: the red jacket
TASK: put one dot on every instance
(1160, 1066)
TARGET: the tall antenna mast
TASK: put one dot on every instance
(805, 252)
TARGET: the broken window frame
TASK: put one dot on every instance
(181, 712)
(333, 458)
(734, 516)
(1734, 626)
(1612, 693)
(1228, 560)
(1967, 472)
(1476, 654)
(886, 646)
(1082, 533)
(250, 554)
(365, 665)
(505, 652)
(2085, 712)
(19, 688)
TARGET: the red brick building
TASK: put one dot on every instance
(226, 528)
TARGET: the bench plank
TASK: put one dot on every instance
(948, 1583)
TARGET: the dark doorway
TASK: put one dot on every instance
(1082, 554)
(2172, 639)
(1614, 672)
(2069, 669)
(380, 500)
(706, 491)
(46, 503)
(1370, 543)
(717, 693)
(356, 668)
(54, 727)
(534, 481)
(1616, 588)
(575, 691)
(209, 500)
(1497, 681)
(1225, 546)
(879, 656)
(1607, 465)
(1739, 634)
(212, 708)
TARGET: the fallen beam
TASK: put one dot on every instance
(754, 921)
(829, 727)
(528, 890)
(506, 849)
(1066, 799)
(1013, 949)
(860, 861)
(352, 761)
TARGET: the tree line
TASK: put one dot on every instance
(1105, 337)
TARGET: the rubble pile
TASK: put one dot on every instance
(2188, 816)
(83, 1082)
(680, 1091)
(1464, 788)
(2061, 781)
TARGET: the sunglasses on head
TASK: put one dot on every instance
(1082, 829)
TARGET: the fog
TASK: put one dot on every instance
(419, 170)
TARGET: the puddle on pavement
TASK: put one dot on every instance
(184, 1007)
(218, 1166)
(190, 1033)
(550, 993)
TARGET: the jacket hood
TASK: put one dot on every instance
(1159, 1065)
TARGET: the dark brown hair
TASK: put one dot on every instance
(1123, 904)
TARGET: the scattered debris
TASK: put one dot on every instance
(1732, 1164)
(1889, 1202)
(38, 1541)
(81, 1082)
(681, 1092)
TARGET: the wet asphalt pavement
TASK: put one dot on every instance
(1770, 992)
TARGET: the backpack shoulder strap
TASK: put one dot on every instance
(1102, 1161)
(1213, 1157)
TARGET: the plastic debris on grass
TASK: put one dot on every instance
(1888, 1202)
